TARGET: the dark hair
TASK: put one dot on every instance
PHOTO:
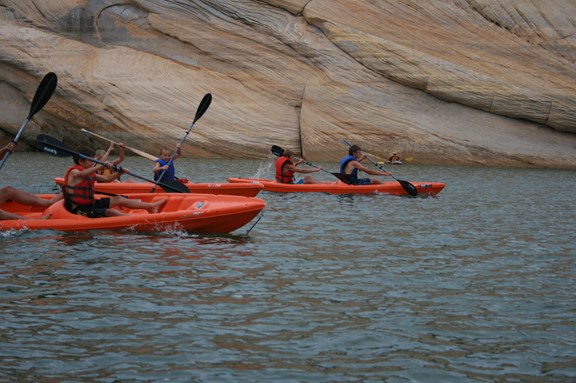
(353, 149)
(85, 151)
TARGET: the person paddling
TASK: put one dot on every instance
(394, 158)
(286, 167)
(163, 165)
(350, 165)
(103, 156)
(79, 190)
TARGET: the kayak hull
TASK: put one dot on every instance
(393, 187)
(199, 213)
(246, 190)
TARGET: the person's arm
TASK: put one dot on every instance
(120, 154)
(76, 175)
(8, 148)
(366, 170)
(86, 172)
(294, 168)
(178, 152)
(313, 170)
(106, 155)
(158, 167)
(110, 177)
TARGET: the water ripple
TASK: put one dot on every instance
(476, 285)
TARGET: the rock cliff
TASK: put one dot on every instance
(487, 82)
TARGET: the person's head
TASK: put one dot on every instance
(85, 151)
(287, 153)
(99, 154)
(394, 153)
(165, 154)
(354, 149)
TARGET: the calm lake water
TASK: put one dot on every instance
(476, 285)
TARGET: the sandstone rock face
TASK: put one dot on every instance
(488, 82)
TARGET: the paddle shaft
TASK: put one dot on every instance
(41, 97)
(204, 104)
(135, 151)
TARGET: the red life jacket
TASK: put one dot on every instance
(286, 177)
(83, 192)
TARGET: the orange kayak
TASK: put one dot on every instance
(393, 187)
(199, 213)
(247, 190)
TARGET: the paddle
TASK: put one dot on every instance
(204, 104)
(135, 151)
(41, 145)
(279, 152)
(41, 97)
(407, 186)
(173, 186)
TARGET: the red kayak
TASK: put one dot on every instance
(247, 190)
(392, 187)
(199, 213)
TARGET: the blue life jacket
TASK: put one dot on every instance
(354, 174)
(170, 174)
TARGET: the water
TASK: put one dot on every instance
(476, 285)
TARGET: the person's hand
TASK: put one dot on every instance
(10, 147)
(109, 165)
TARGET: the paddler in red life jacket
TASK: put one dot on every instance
(103, 156)
(79, 190)
(286, 167)
(350, 165)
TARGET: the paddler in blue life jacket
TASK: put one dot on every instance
(161, 164)
(286, 167)
(350, 165)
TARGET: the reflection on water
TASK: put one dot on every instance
(476, 285)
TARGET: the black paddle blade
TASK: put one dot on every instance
(174, 187)
(50, 145)
(204, 104)
(408, 187)
(277, 151)
(43, 93)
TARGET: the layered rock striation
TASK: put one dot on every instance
(488, 82)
